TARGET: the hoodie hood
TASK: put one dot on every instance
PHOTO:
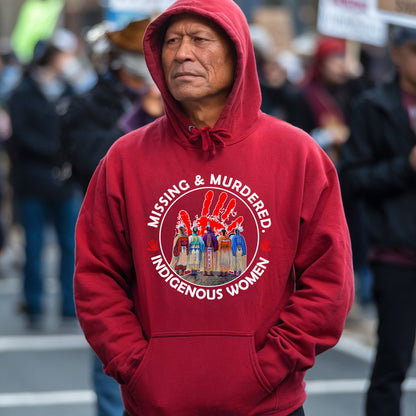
(241, 111)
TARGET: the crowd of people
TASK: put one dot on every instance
(62, 112)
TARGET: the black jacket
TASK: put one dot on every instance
(35, 146)
(288, 103)
(374, 166)
(90, 126)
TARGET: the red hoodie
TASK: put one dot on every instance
(235, 344)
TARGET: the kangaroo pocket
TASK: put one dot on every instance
(198, 375)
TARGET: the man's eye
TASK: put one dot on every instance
(198, 39)
(171, 41)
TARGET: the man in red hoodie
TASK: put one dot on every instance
(209, 345)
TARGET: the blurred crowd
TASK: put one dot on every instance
(62, 110)
(60, 113)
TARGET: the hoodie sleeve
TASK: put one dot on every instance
(104, 274)
(314, 317)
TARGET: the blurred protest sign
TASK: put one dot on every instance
(121, 12)
(37, 20)
(400, 12)
(278, 23)
(355, 20)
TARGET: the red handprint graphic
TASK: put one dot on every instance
(219, 219)
(265, 245)
(153, 245)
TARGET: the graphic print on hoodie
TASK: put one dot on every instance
(193, 322)
(210, 227)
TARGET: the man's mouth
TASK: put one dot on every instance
(185, 75)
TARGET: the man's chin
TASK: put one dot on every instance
(185, 95)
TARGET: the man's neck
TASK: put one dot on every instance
(203, 114)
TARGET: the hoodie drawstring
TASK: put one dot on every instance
(210, 138)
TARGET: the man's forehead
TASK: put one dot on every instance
(190, 19)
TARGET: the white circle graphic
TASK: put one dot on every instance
(228, 192)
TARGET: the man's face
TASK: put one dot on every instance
(404, 57)
(198, 61)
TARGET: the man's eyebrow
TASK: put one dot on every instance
(195, 32)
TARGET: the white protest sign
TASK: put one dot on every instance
(140, 6)
(400, 12)
(120, 12)
(356, 20)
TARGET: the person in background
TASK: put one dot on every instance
(11, 70)
(281, 98)
(5, 133)
(5, 125)
(122, 100)
(329, 90)
(41, 180)
(175, 347)
(78, 70)
(378, 166)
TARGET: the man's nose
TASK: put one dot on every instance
(185, 50)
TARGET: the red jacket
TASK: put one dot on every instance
(205, 345)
